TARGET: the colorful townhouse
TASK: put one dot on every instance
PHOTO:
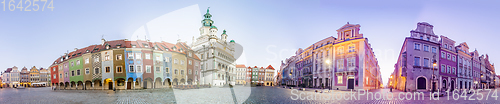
(464, 66)
(25, 77)
(14, 77)
(269, 76)
(241, 74)
(476, 69)
(34, 78)
(447, 64)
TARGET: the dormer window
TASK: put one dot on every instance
(107, 46)
(145, 45)
(118, 45)
(133, 46)
(87, 51)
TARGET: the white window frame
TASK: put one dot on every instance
(148, 67)
(87, 71)
(138, 56)
(118, 71)
(138, 68)
(147, 56)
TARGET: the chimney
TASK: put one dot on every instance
(102, 41)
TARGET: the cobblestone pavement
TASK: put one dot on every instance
(266, 95)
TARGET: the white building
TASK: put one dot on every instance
(216, 54)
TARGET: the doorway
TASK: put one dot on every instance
(350, 84)
(110, 85)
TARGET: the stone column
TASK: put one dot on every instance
(84, 87)
(153, 84)
(93, 87)
(102, 88)
(114, 83)
(134, 84)
(126, 81)
(69, 85)
(76, 88)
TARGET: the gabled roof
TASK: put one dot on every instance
(255, 67)
(270, 67)
(240, 66)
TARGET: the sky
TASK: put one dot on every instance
(269, 30)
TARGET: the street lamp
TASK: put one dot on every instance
(433, 68)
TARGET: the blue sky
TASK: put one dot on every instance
(269, 30)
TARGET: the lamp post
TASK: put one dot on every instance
(433, 68)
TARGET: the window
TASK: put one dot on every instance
(87, 60)
(167, 59)
(96, 71)
(87, 71)
(341, 50)
(443, 68)
(72, 64)
(428, 39)
(417, 46)
(96, 59)
(417, 61)
(139, 68)
(53, 69)
(426, 62)
(190, 62)
(421, 37)
(448, 56)
(426, 48)
(351, 48)
(119, 57)
(138, 55)
(448, 69)
(130, 55)
(77, 72)
(148, 69)
(339, 79)
(189, 71)
(157, 69)
(108, 69)
(119, 69)
(434, 49)
(443, 55)
(182, 72)
(340, 64)
(131, 68)
(147, 56)
(175, 72)
(166, 70)
(158, 58)
(450, 48)
(176, 61)
(182, 62)
(454, 58)
(73, 73)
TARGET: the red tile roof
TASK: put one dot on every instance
(270, 67)
(240, 66)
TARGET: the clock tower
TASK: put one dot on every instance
(206, 23)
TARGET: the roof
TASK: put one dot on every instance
(232, 41)
(8, 70)
(240, 66)
(270, 67)
(255, 67)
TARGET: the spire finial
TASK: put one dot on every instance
(224, 32)
(208, 9)
(347, 22)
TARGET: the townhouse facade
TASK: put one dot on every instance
(458, 68)
(241, 74)
(342, 63)
(124, 64)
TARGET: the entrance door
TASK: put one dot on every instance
(110, 84)
(350, 84)
(129, 85)
(452, 86)
(421, 83)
